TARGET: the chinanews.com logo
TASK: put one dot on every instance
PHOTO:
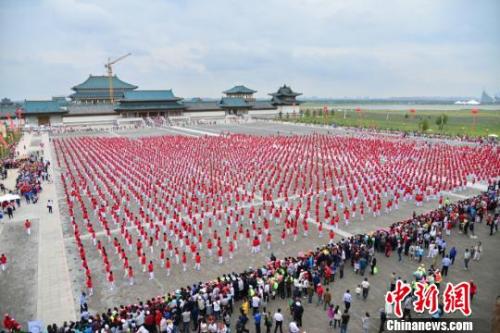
(425, 298)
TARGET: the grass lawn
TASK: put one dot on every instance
(460, 122)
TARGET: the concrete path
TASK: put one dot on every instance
(55, 302)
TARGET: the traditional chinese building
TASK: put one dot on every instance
(46, 112)
(150, 103)
(238, 101)
(96, 90)
(285, 99)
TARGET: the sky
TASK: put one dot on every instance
(324, 48)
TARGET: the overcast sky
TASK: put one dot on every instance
(328, 48)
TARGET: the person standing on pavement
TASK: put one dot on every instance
(27, 226)
(446, 262)
(3, 262)
(347, 299)
(366, 287)
(278, 318)
(257, 317)
(344, 321)
(467, 256)
(478, 248)
(49, 205)
(365, 322)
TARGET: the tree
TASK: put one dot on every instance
(424, 125)
(441, 121)
(308, 113)
(287, 116)
(280, 115)
(332, 112)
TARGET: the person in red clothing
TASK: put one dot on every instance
(130, 275)
(27, 226)
(268, 240)
(283, 236)
(89, 286)
(255, 245)
(184, 261)
(168, 265)
(3, 262)
(111, 280)
(209, 247)
(197, 261)
(473, 289)
(319, 292)
(10, 324)
(231, 250)
(151, 270)
(143, 262)
(219, 254)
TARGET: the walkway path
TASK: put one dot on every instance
(55, 302)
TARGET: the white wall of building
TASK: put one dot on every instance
(289, 109)
(205, 114)
(90, 119)
(262, 112)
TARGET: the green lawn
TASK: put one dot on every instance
(460, 122)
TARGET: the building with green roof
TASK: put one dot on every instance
(150, 103)
(285, 96)
(96, 90)
(44, 112)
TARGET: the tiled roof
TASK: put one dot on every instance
(150, 95)
(234, 102)
(96, 94)
(31, 107)
(285, 91)
(102, 82)
(159, 105)
(200, 105)
(239, 90)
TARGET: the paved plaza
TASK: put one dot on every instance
(45, 277)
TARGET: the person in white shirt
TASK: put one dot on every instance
(255, 303)
(347, 299)
(278, 318)
(366, 287)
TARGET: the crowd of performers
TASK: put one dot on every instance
(208, 307)
(165, 202)
(160, 201)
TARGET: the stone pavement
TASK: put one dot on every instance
(55, 302)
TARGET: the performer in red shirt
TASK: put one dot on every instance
(184, 261)
(89, 286)
(27, 226)
(255, 245)
(151, 270)
(219, 254)
(130, 275)
(111, 280)
(167, 266)
(3, 262)
(197, 261)
(268, 240)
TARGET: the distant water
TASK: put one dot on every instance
(401, 106)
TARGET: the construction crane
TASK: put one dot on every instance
(110, 74)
